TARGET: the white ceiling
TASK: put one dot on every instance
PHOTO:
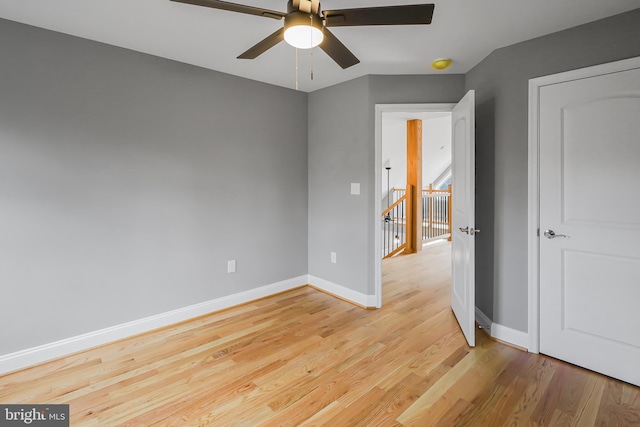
(464, 30)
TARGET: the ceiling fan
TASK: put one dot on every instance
(306, 26)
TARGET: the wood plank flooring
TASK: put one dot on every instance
(306, 358)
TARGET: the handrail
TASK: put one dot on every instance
(395, 251)
(434, 192)
(396, 203)
(425, 191)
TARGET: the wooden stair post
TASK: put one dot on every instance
(414, 186)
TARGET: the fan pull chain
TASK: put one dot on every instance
(311, 54)
(296, 68)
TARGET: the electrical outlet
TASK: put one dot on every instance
(334, 258)
(231, 266)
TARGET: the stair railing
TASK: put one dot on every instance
(394, 227)
(436, 213)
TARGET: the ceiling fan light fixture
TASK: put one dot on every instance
(307, 26)
(303, 30)
(303, 36)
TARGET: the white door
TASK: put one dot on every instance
(589, 177)
(463, 295)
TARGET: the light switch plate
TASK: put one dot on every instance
(355, 188)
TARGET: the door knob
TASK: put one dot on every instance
(468, 230)
(550, 234)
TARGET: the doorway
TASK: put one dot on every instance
(385, 157)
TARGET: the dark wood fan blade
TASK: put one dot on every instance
(389, 15)
(264, 45)
(337, 51)
(233, 7)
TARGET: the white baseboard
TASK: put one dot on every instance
(358, 298)
(31, 356)
(502, 333)
(512, 336)
(24, 358)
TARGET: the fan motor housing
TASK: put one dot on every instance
(295, 5)
(301, 18)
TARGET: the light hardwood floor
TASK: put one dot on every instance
(306, 358)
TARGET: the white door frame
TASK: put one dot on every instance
(534, 174)
(390, 108)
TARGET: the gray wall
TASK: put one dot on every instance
(341, 151)
(127, 181)
(501, 84)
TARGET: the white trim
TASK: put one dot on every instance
(508, 335)
(340, 291)
(483, 320)
(533, 223)
(379, 109)
(533, 265)
(500, 332)
(31, 356)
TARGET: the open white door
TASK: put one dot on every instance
(463, 292)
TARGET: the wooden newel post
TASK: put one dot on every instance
(414, 186)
